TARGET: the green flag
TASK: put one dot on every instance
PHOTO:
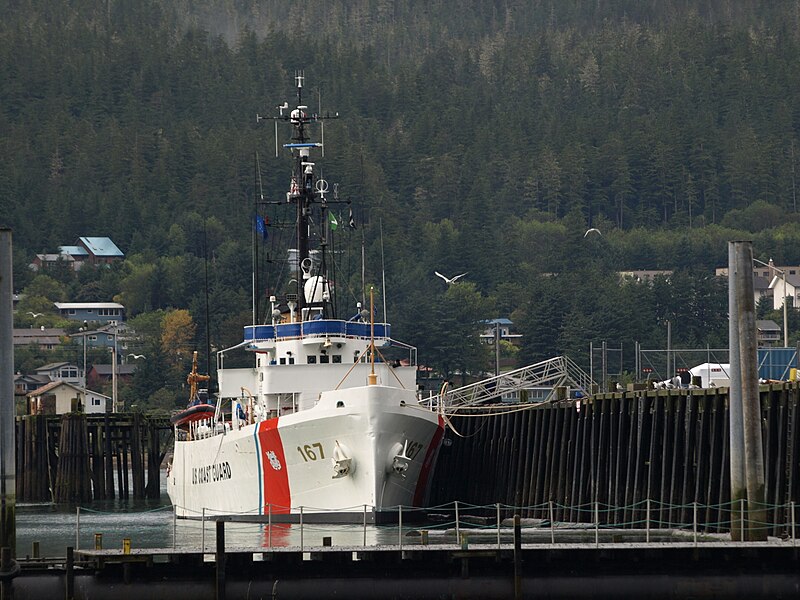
(332, 220)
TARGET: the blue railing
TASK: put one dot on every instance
(318, 328)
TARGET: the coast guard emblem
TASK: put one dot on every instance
(273, 460)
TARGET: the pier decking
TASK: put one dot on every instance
(513, 568)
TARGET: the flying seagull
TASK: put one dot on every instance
(34, 314)
(449, 280)
(592, 230)
(137, 356)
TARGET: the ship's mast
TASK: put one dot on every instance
(303, 176)
(304, 189)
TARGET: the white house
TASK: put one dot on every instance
(791, 291)
(59, 397)
(764, 284)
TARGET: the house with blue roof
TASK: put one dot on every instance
(87, 250)
(502, 328)
(100, 250)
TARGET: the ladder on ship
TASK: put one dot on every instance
(558, 372)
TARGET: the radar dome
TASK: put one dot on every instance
(316, 289)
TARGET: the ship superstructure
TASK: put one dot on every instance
(323, 423)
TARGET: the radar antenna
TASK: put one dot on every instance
(305, 188)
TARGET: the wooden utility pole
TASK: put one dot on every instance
(738, 487)
(751, 404)
(8, 493)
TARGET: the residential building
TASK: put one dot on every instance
(87, 250)
(43, 262)
(59, 397)
(61, 371)
(769, 333)
(788, 288)
(642, 275)
(43, 337)
(501, 327)
(94, 250)
(104, 313)
(101, 374)
(102, 337)
(764, 284)
(27, 383)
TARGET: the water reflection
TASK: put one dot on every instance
(152, 525)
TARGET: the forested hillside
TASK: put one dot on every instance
(478, 136)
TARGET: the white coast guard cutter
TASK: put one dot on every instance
(321, 424)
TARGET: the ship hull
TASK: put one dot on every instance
(358, 453)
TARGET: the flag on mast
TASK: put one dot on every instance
(351, 221)
(332, 220)
(261, 226)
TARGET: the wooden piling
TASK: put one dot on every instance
(137, 457)
(669, 446)
(109, 457)
(153, 488)
(73, 478)
(75, 453)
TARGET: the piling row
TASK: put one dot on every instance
(78, 458)
(36, 460)
(656, 451)
(72, 477)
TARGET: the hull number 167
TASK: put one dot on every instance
(309, 454)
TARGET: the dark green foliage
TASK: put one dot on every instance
(485, 139)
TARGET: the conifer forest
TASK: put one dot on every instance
(481, 137)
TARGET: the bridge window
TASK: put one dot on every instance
(324, 359)
(311, 359)
(283, 360)
(336, 359)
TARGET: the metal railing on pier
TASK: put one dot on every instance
(464, 524)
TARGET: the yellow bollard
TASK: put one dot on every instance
(126, 545)
(98, 541)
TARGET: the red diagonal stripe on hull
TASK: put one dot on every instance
(277, 496)
(427, 464)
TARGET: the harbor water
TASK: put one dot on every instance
(151, 524)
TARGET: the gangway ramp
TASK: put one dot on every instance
(553, 373)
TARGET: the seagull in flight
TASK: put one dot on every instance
(592, 230)
(449, 280)
(137, 356)
(35, 314)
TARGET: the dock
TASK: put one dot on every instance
(625, 495)
(514, 567)
(77, 458)
(621, 454)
